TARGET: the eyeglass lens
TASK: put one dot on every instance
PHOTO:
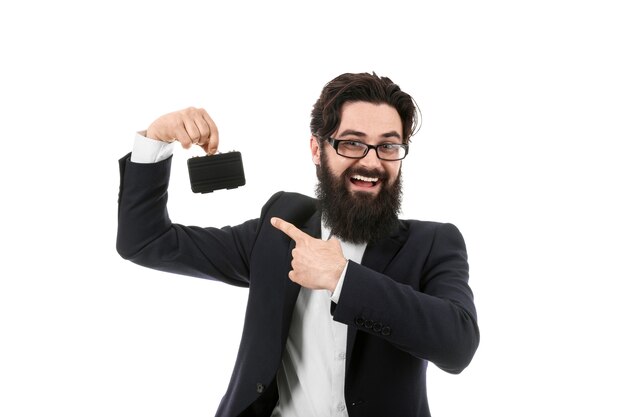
(353, 149)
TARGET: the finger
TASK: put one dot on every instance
(204, 131)
(214, 135)
(192, 130)
(289, 229)
(180, 133)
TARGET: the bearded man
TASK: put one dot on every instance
(347, 303)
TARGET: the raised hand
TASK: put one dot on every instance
(316, 263)
(190, 126)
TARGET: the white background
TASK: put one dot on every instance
(522, 148)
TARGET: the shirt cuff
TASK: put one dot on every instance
(335, 296)
(148, 151)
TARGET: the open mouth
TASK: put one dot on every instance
(361, 181)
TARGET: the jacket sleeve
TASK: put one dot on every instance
(146, 236)
(427, 312)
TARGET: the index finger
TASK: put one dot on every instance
(214, 135)
(289, 229)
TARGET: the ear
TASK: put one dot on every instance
(315, 150)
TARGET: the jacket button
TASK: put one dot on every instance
(368, 324)
(386, 331)
(260, 387)
(359, 321)
(377, 327)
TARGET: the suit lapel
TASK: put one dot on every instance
(313, 228)
(378, 255)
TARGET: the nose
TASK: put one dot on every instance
(371, 160)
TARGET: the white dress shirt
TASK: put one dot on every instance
(312, 374)
(148, 151)
(311, 378)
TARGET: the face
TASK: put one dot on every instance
(369, 123)
(360, 198)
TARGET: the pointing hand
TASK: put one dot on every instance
(316, 263)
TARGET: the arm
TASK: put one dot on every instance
(424, 306)
(428, 312)
(145, 233)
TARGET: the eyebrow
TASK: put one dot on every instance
(391, 134)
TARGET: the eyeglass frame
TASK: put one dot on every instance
(334, 143)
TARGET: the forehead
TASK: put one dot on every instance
(369, 118)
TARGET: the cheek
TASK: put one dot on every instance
(338, 167)
(346, 165)
(393, 172)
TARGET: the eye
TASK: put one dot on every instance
(389, 148)
(352, 144)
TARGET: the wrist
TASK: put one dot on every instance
(339, 272)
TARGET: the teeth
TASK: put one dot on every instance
(362, 178)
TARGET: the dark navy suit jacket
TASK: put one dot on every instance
(408, 303)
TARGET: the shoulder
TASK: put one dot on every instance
(286, 197)
(430, 230)
(423, 225)
(438, 240)
(290, 206)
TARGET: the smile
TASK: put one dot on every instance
(364, 182)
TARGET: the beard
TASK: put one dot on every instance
(358, 217)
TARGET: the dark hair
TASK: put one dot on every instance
(362, 87)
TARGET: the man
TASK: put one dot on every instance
(347, 303)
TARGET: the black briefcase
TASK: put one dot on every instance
(216, 172)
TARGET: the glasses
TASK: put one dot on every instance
(356, 150)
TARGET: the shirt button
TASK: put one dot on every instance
(341, 407)
(342, 355)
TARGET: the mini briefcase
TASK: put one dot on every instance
(216, 172)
